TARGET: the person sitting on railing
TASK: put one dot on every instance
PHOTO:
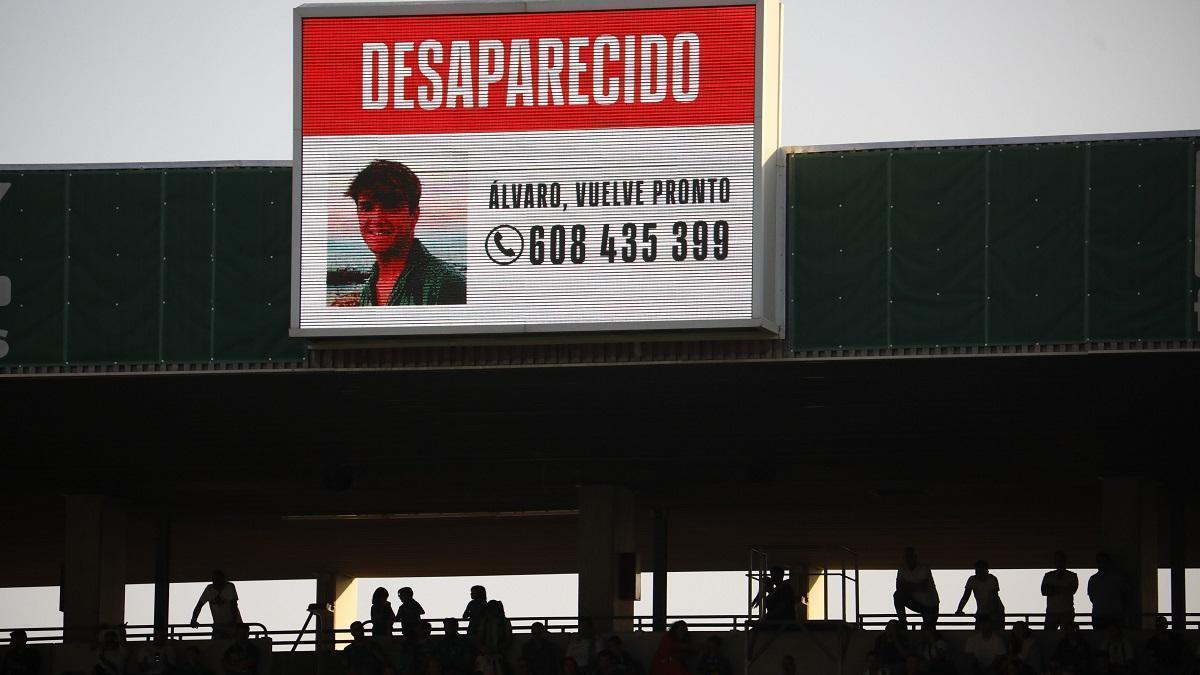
(382, 616)
(1024, 649)
(474, 612)
(409, 614)
(1107, 591)
(1166, 651)
(622, 659)
(364, 656)
(20, 658)
(112, 656)
(985, 646)
(673, 653)
(241, 657)
(222, 599)
(892, 647)
(1059, 586)
(542, 654)
(986, 588)
(455, 651)
(584, 645)
(916, 590)
(713, 662)
(1073, 654)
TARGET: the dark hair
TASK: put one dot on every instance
(390, 184)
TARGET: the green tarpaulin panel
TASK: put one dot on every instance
(1138, 241)
(253, 262)
(32, 256)
(1036, 254)
(113, 267)
(188, 267)
(838, 230)
(937, 235)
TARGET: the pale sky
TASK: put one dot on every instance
(174, 80)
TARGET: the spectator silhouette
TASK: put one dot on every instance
(624, 661)
(985, 647)
(493, 639)
(986, 588)
(473, 614)
(1117, 652)
(242, 657)
(673, 652)
(20, 659)
(1023, 648)
(1059, 586)
(713, 662)
(892, 647)
(1166, 651)
(156, 657)
(935, 654)
(1106, 589)
(584, 645)
(364, 656)
(111, 654)
(1072, 655)
(916, 590)
(222, 599)
(382, 616)
(456, 652)
(409, 614)
(778, 602)
(540, 653)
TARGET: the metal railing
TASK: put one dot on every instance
(1033, 619)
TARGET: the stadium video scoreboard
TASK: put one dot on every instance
(540, 167)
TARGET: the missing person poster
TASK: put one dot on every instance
(592, 169)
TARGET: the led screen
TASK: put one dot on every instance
(506, 172)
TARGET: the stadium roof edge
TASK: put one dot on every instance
(1017, 140)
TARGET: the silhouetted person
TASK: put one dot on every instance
(1023, 647)
(409, 613)
(1106, 589)
(156, 657)
(624, 661)
(364, 656)
(418, 649)
(456, 651)
(778, 602)
(1072, 655)
(382, 616)
(20, 659)
(474, 611)
(892, 646)
(673, 651)
(1166, 651)
(584, 645)
(111, 654)
(222, 600)
(1117, 651)
(985, 646)
(915, 590)
(1059, 586)
(241, 657)
(541, 654)
(935, 654)
(712, 661)
(986, 588)
(495, 631)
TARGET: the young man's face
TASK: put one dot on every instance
(385, 229)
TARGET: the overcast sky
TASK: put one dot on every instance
(158, 80)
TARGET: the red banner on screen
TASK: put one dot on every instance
(528, 72)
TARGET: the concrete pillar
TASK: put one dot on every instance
(811, 582)
(93, 589)
(1129, 533)
(659, 603)
(1178, 524)
(606, 529)
(337, 596)
(162, 575)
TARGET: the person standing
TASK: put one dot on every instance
(986, 588)
(1059, 586)
(382, 616)
(915, 590)
(222, 599)
(1106, 589)
(473, 614)
(673, 652)
(409, 614)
